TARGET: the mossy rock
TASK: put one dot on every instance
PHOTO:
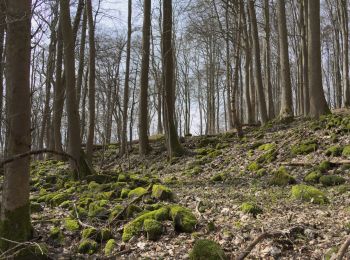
(132, 211)
(253, 167)
(194, 171)
(87, 246)
(56, 234)
(251, 208)
(99, 178)
(205, 249)
(261, 172)
(139, 191)
(89, 233)
(282, 178)
(346, 151)
(95, 187)
(110, 246)
(309, 194)
(59, 198)
(122, 177)
(139, 181)
(124, 193)
(331, 180)
(161, 192)
(71, 224)
(153, 229)
(334, 151)
(324, 166)
(313, 177)
(115, 211)
(267, 147)
(304, 148)
(36, 207)
(97, 210)
(218, 177)
(184, 220)
(134, 227)
(211, 226)
(268, 156)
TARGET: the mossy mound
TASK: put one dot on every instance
(346, 151)
(253, 167)
(124, 193)
(132, 210)
(71, 224)
(59, 198)
(331, 180)
(97, 209)
(139, 191)
(205, 249)
(324, 166)
(218, 177)
(268, 156)
(183, 219)
(110, 246)
(87, 246)
(309, 194)
(251, 208)
(282, 178)
(334, 151)
(267, 147)
(304, 148)
(313, 177)
(161, 192)
(261, 172)
(153, 229)
(56, 234)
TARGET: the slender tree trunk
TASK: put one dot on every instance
(258, 74)
(286, 98)
(318, 104)
(143, 108)
(92, 78)
(15, 206)
(304, 22)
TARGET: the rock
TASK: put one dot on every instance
(205, 249)
(153, 228)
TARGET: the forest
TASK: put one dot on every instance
(174, 129)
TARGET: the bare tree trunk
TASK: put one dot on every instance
(15, 206)
(173, 145)
(126, 85)
(318, 104)
(286, 98)
(143, 107)
(258, 75)
(306, 86)
(92, 78)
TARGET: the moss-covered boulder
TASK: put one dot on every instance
(153, 229)
(281, 177)
(89, 233)
(304, 148)
(110, 246)
(346, 151)
(161, 192)
(205, 249)
(134, 227)
(313, 177)
(139, 191)
(87, 246)
(59, 198)
(98, 209)
(183, 219)
(324, 166)
(334, 151)
(124, 193)
(309, 194)
(132, 210)
(71, 224)
(268, 156)
(251, 208)
(331, 180)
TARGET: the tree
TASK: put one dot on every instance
(124, 140)
(74, 141)
(286, 98)
(15, 206)
(318, 103)
(92, 77)
(143, 108)
(173, 144)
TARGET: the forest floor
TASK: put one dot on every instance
(219, 174)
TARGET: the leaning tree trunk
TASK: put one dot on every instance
(173, 144)
(286, 97)
(143, 108)
(318, 103)
(15, 206)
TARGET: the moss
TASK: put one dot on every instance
(110, 246)
(268, 156)
(87, 246)
(122, 177)
(211, 226)
(331, 180)
(205, 249)
(267, 147)
(153, 229)
(35, 207)
(261, 172)
(134, 227)
(161, 192)
(346, 151)
(194, 171)
(34, 251)
(313, 177)
(324, 166)
(115, 211)
(253, 167)
(343, 188)
(56, 234)
(282, 178)
(124, 193)
(334, 150)
(309, 193)
(16, 226)
(137, 192)
(71, 224)
(183, 219)
(89, 233)
(99, 178)
(59, 198)
(218, 177)
(304, 148)
(250, 208)
(97, 210)
(132, 210)
(104, 234)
